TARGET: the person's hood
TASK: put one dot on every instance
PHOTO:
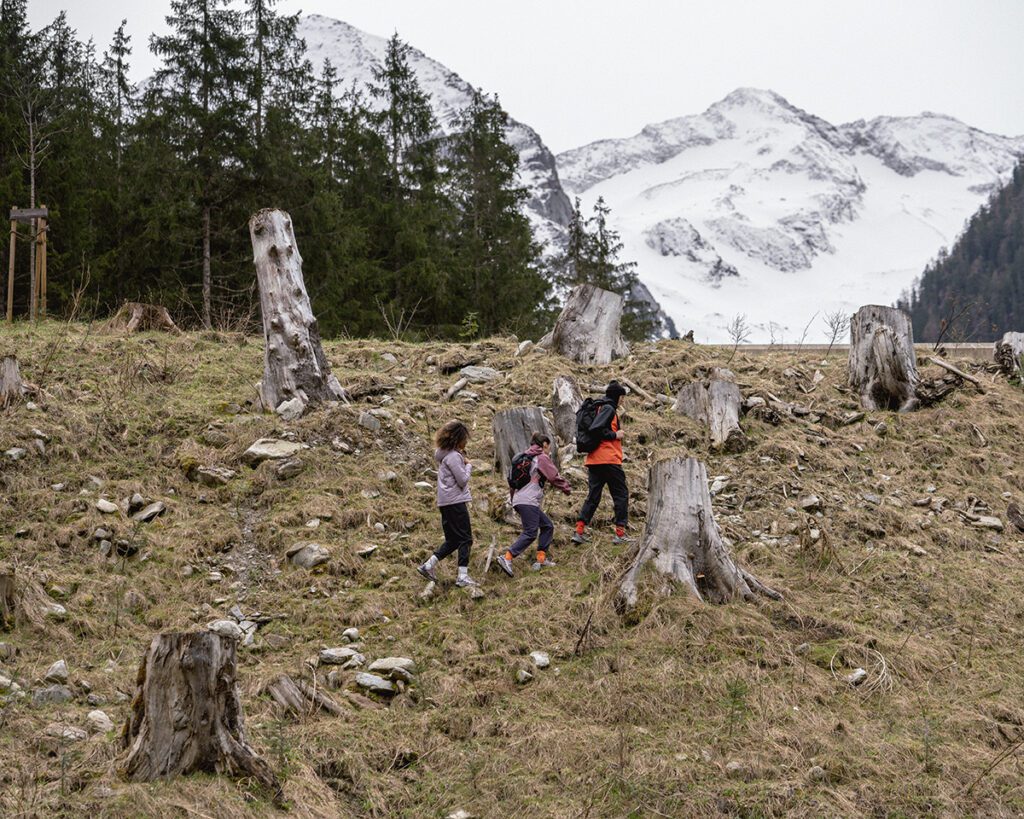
(535, 449)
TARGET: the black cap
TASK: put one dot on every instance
(615, 391)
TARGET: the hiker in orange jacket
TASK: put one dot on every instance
(604, 467)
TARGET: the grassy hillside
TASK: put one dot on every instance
(684, 710)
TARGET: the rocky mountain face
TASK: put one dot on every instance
(355, 54)
(757, 207)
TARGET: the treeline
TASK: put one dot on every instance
(401, 229)
(975, 291)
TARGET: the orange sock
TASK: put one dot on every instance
(540, 556)
(508, 555)
(580, 526)
(620, 531)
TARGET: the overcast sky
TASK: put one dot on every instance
(580, 70)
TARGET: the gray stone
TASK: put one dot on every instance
(341, 446)
(102, 534)
(387, 476)
(817, 774)
(737, 770)
(428, 591)
(810, 503)
(64, 732)
(154, 510)
(479, 374)
(390, 358)
(291, 410)
(52, 695)
(881, 429)
(308, 555)
(988, 522)
(271, 449)
(225, 628)
(388, 664)
(290, 468)
(336, 656)
(351, 635)
(857, 676)
(523, 348)
(135, 503)
(523, 676)
(423, 485)
(57, 673)
(540, 659)
(8, 651)
(99, 722)
(54, 610)
(16, 453)
(38, 446)
(212, 476)
(378, 685)
(871, 498)
(107, 507)
(368, 421)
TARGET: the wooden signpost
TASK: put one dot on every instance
(36, 219)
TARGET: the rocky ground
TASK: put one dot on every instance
(888, 680)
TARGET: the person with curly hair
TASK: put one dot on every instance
(453, 472)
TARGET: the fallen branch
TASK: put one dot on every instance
(959, 373)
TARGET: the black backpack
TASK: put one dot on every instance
(586, 440)
(519, 472)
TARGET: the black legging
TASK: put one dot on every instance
(458, 533)
(598, 476)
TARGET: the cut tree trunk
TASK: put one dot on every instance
(565, 401)
(715, 403)
(294, 364)
(587, 330)
(187, 715)
(134, 317)
(682, 545)
(882, 366)
(513, 429)
(8, 599)
(1008, 353)
(12, 388)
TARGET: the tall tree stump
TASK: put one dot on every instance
(12, 388)
(715, 402)
(8, 598)
(882, 365)
(1008, 352)
(565, 401)
(682, 545)
(513, 429)
(294, 364)
(587, 330)
(187, 716)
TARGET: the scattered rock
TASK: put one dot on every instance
(135, 503)
(212, 476)
(423, 485)
(52, 695)
(718, 484)
(462, 814)
(366, 551)
(341, 446)
(57, 673)
(308, 555)
(151, 512)
(277, 641)
(390, 358)
(8, 651)
(55, 610)
(914, 549)
(817, 774)
(106, 507)
(811, 504)
(351, 635)
(99, 722)
(64, 732)
(428, 591)
(523, 676)
(16, 453)
(871, 498)
(225, 628)
(734, 769)
(291, 410)
(290, 468)
(540, 659)
(389, 665)
(368, 421)
(387, 476)
(881, 429)
(379, 527)
(523, 348)
(375, 684)
(336, 656)
(857, 676)
(271, 449)
(479, 374)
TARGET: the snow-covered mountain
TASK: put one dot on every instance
(355, 54)
(756, 207)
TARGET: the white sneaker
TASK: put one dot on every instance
(505, 565)
(463, 582)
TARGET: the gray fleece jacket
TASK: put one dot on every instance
(452, 477)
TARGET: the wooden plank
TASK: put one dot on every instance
(42, 266)
(28, 214)
(10, 273)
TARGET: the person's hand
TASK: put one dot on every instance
(566, 491)
(467, 461)
(618, 435)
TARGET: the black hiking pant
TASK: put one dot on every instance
(614, 477)
(458, 533)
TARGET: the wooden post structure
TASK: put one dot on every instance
(36, 219)
(10, 272)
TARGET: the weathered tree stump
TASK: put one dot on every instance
(513, 429)
(882, 365)
(12, 388)
(715, 403)
(587, 330)
(682, 545)
(134, 317)
(294, 364)
(1008, 352)
(565, 401)
(187, 715)
(8, 599)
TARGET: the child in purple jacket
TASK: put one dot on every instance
(527, 502)
(453, 471)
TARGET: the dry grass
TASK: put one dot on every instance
(634, 718)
